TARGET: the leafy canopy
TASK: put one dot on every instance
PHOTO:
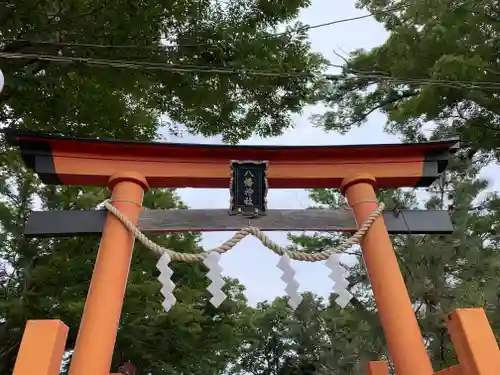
(440, 64)
(49, 279)
(442, 272)
(181, 42)
(121, 69)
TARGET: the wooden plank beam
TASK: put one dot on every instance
(474, 342)
(80, 223)
(42, 348)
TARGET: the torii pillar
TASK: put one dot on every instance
(101, 315)
(402, 333)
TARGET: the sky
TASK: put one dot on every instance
(250, 262)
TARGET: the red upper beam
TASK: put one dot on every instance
(77, 161)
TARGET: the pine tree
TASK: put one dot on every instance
(49, 279)
(442, 272)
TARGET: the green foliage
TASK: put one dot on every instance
(455, 43)
(49, 279)
(170, 45)
(442, 272)
(317, 338)
(182, 39)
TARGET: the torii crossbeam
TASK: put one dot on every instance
(60, 160)
(72, 161)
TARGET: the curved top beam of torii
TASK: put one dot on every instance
(62, 160)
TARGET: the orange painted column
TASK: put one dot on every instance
(42, 348)
(402, 333)
(452, 370)
(101, 315)
(377, 368)
(474, 342)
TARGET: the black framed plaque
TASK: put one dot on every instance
(248, 188)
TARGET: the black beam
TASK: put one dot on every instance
(84, 223)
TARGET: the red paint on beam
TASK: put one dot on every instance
(90, 162)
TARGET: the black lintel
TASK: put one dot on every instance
(85, 223)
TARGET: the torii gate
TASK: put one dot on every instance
(128, 169)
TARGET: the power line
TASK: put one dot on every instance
(174, 68)
(186, 68)
(166, 47)
(383, 76)
(397, 7)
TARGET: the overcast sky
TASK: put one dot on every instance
(250, 261)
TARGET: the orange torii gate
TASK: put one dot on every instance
(128, 169)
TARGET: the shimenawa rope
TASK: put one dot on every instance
(241, 234)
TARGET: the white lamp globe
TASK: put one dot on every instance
(1, 80)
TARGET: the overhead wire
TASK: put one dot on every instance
(206, 44)
(179, 68)
(412, 80)
(188, 68)
(206, 69)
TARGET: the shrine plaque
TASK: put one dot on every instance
(248, 188)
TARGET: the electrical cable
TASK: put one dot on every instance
(166, 47)
(186, 68)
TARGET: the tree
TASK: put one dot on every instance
(317, 338)
(439, 64)
(353, 335)
(49, 278)
(266, 346)
(442, 272)
(306, 336)
(119, 69)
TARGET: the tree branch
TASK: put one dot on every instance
(389, 100)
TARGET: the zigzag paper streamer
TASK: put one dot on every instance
(168, 286)
(338, 275)
(292, 286)
(215, 274)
